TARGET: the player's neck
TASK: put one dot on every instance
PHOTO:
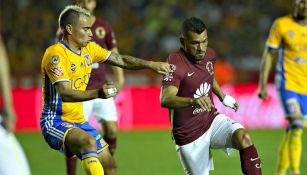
(72, 45)
(301, 20)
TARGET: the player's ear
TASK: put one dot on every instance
(181, 40)
(68, 28)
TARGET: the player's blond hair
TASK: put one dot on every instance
(74, 11)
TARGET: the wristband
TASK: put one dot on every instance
(229, 101)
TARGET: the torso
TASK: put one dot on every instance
(193, 80)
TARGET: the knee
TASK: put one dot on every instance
(242, 139)
(87, 143)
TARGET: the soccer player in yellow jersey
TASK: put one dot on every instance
(288, 35)
(66, 67)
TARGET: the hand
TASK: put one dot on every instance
(109, 90)
(204, 102)
(161, 68)
(262, 93)
(229, 101)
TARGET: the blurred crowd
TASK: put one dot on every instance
(148, 29)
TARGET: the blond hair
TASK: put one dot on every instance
(70, 14)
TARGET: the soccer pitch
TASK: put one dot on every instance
(153, 153)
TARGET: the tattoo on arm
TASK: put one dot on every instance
(127, 62)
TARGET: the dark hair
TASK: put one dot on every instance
(70, 15)
(194, 25)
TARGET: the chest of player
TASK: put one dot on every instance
(295, 39)
(197, 79)
(79, 71)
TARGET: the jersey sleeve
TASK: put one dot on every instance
(98, 54)
(275, 36)
(174, 77)
(110, 37)
(55, 66)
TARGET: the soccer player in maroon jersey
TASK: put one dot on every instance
(197, 126)
(103, 109)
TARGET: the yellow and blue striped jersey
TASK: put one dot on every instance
(60, 63)
(290, 38)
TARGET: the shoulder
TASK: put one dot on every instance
(211, 54)
(55, 49)
(175, 57)
(280, 21)
(103, 23)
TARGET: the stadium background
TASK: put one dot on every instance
(149, 29)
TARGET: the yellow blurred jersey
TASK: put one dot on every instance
(62, 64)
(291, 39)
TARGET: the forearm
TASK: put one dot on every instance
(266, 65)
(129, 62)
(119, 75)
(175, 102)
(80, 96)
(217, 90)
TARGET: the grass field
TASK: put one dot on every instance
(153, 153)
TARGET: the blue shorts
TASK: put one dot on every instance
(54, 132)
(293, 103)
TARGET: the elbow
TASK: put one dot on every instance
(65, 98)
(164, 102)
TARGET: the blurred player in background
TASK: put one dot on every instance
(196, 124)
(12, 158)
(66, 68)
(104, 110)
(288, 35)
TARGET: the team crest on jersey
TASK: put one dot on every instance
(100, 32)
(73, 66)
(88, 59)
(55, 60)
(209, 67)
(56, 71)
(291, 33)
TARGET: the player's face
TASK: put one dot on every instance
(301, 7)
(81, 31)
(195, 45)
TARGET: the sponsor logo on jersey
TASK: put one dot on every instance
(55, 60)
(100, 32)
(73, 66)
(291, 33)
(300, 60)
(78, 83)
(67, 125)
(203, 90)
(56, 71)
(209, 67)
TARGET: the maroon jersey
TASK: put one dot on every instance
(192, 80)
(104, 36)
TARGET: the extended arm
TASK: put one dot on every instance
(9, 114)
(130, 62)
(169, 99)
(266, 64)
